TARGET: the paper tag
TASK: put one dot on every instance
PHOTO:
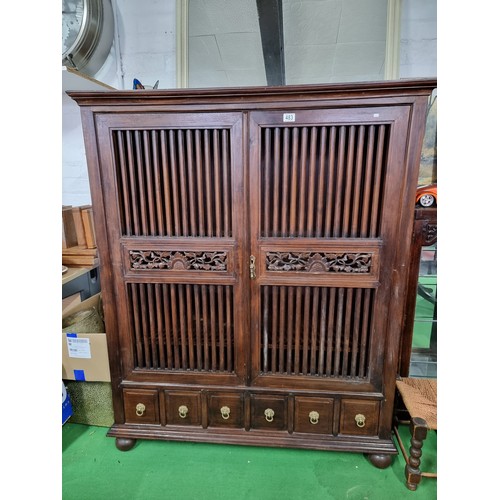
(288, 117)
(78, 348)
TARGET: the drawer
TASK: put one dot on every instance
(269, 412)
(225, 410)
(359, 417)
(183, 408)
(141, 406)
(313, 415)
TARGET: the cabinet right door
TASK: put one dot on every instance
(326, 198)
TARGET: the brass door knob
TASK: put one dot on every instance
(269, 413)
(225, 411)
(183, 411)
(360, 420)
(140, 409)
(314, 417)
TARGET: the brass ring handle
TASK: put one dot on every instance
(140, 409)
(183, 411)
(314, 417)
(360, 420)
(269, 413)
(225, 411)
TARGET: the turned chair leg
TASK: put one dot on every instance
(418, 431)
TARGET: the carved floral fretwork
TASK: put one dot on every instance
(178, 260)
(430, 233)
(325, 262)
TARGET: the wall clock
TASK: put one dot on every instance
(87, 34)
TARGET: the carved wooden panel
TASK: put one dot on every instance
(179, 260)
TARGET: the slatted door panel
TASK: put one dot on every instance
(324, 193)
(177, 272)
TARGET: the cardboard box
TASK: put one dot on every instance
(85, 355)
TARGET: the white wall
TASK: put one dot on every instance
(145, 48)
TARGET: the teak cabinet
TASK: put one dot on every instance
(254, 245)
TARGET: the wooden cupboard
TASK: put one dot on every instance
(254, 245)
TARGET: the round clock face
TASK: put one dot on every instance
(72, 16)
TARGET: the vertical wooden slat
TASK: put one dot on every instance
(189, 318)
(338, 331)
(127, 226)
(229, 327)
(161, 325)
(266, 183)
(330, 330)
(198, 317)
(333, 169)
(133, 186)
(226, 179)
(152, 325)
(374, 225)
(322, 330)
(213, 329)
(364, 331)
(217, 182)
(159, 195)
(282, 328)
(175, 325)
(206, 326)
(274, 326)
(149, 193)
(208, 182)
(175, 183)
(298, 329)
(285, 185)
(365, 213)
(137, 328)
(348, 184)
(312, 178)
(276, 170)
(303, 181)
(265, 326)
(182, 324)
(190, 180)
(166, 176)
(294, 184)
(144, 324)
(201, 214)
(305, 330)
(168, 325)
(220, 320)
(339, 188)
(358, 177)
(141, 191)
(181, 159)
(289, 336)
(358, 302)
(320, 202)
(347, 332)
(314, 330)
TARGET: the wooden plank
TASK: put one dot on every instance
(80, 260)
(68, 228)
(78, 223)
(88, 226)
(80, 250)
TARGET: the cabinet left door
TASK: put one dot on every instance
(173, 226)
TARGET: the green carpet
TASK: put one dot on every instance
(94, 469)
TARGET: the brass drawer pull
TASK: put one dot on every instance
(225, 411)
(183, 411)
(269, 413)
(253, 273)
(140, 409)
(314, 417)
(360, 420)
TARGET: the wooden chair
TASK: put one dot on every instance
(419, 398)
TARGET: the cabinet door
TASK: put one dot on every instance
(174, 203)
(326, 210)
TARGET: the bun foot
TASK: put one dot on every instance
(380, 461)
(125, 444)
